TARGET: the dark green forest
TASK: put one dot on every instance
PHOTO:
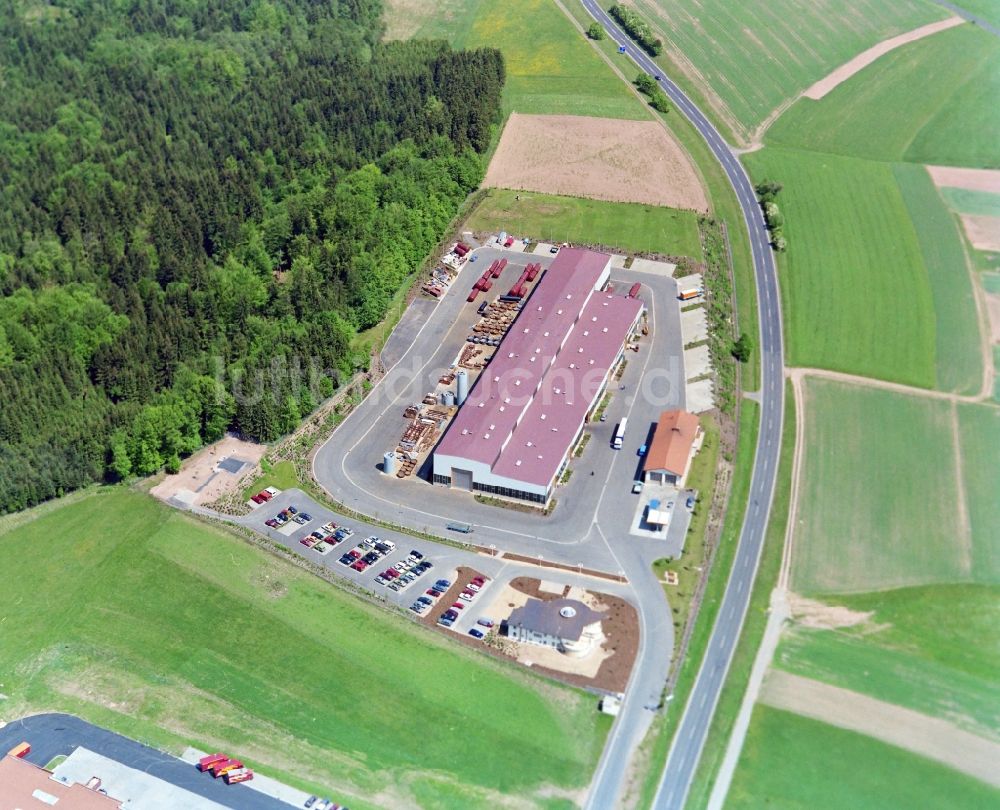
(203, 202)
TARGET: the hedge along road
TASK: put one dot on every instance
(689, 740)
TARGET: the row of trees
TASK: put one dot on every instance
(637, 28)
(657, 98)
(210, 204)
(767, 193)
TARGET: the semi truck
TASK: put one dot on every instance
(239, 775)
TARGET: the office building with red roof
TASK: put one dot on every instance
(513, 435)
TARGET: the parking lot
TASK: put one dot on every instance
(361, 553)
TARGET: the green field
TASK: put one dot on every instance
(876, 504)
(931, 101)
(122, 611)
(879, 504)
(855, 292)
(989, 10)
(979, 431)
(628, 226)
(550, 68)
(757, 55)
(912, 652)
(959, 360)
(792, 761)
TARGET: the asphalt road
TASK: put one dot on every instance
(53, 734)
(690, 736)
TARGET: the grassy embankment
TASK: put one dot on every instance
(734, 688)
(630, 226)
(653, 753)
(142, 620)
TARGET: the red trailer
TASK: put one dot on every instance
(239, 775)
(206, 763)
(461, 249)
(500, 267)
(509, 241)
(493, 268)
(533, 271)
(487, 285)
(472, 295)
(222, 768)
(634, 291)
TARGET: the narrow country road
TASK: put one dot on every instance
(690, 737)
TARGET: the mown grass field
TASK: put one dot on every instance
(855, 292)
(756, 55)
(877, 503)
(138, 618)
(550, 67)
(881, 502)
(935, 650)
(958, 357)
(930, 101)
(792, 761)
(629, 226)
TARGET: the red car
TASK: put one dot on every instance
(256, 499)
(354, 553)
(265, 495)
(458, 606)
(360, 565)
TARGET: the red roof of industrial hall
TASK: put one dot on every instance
(526, 406)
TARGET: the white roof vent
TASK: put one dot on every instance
(518, 382)
(546, 334)
(486, 435)
(507, 400)
(543, 417)
(567, 612)
(496, 379)
(493, 427)
(465, 431)
(517, 463)
(558, 312)
(585, 333)
(594, 318)
(605, 329)
(529, 444)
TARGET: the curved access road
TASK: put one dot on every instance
(690, 737)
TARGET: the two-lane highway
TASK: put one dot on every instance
(690, 737)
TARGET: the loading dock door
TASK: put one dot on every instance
(461, 479)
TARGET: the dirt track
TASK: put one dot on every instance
(865, 58)
(599, 158)
(924, 735)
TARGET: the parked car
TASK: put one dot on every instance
(256, 499)
(416, 555)
(445, 584)
(458, 606)
(292, 510)
(636, 487)
(476, 633)
(483, 621)
(690, 502)
(472, 586)
(272, 523)
(642, 450)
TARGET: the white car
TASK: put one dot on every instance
(472, 586)
(272, 491)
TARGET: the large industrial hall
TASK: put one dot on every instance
(513, 435)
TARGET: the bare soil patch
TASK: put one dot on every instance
(924, 735)
(865, 58)
(810, 613)
(599, 158)
(983, 231)
(972, 179)
(201, 475)
(993, 311)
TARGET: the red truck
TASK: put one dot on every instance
(221, 768)
(238, 775)
(206, 763)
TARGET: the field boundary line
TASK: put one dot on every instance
(875, 382)
(798, 396)
(964, 524)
